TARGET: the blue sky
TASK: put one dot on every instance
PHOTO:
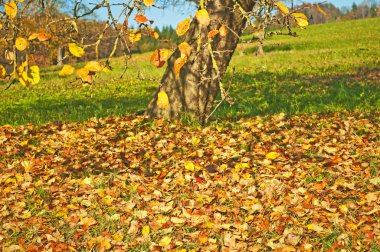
(172, 15)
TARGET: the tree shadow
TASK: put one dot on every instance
(269, 48)
(72, 109)
(268, 92)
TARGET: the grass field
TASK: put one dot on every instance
(329, 68)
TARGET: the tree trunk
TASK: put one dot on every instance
(197, 86)
(59, 56)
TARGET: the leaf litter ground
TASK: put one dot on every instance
(300, 183)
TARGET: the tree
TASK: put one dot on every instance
(193, 78)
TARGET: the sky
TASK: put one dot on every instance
(172, 15)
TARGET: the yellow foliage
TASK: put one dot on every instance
(3, 72)
(66, 70)
(148, 3)
(10, 9)
(183, 26)
(185, 49)
(21, 43)
(76, 50)
(162, 100)
(283, 9)
(202, 17)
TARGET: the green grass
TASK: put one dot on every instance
(333, 67)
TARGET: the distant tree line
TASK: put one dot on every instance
(366, 9)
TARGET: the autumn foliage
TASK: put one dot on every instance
(307, 183)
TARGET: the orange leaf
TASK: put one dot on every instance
(212, 33)
(42, 36)
(320, 10)
(178, 64)
(183, 26)
(159, 57)
(140, 18)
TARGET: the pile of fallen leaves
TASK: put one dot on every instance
(127, 184)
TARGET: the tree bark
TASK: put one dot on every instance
(197, 86)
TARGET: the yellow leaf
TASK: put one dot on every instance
(72, 249)
(375, 181)
(185, 49)
(94, 66)
(26, 215)
(10, 9)
(3, 72)
(33, 36)
(165, 241)
(21, 43)
(189, 166)
(283, 9)
(162, 100)
(343, 209)
(272, 155)
(10, 180)
(1, 26)
(153, 33)
(66, 70)
(320, 10)
(87, 221)
(223, 30)
(106, 70)
(107, 200)
(9, 55)
(148, 3)
(183, 26)
(134, 36)
(119, 236)
(87, 181)
(301, 19)
(202, 17)
(178, 64)
(76, 50)
(27, 165)
(315, 227)
(145, 230)
(104, 244)
(29, 77)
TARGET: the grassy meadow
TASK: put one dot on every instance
(333, 67)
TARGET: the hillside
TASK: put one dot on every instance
(329, 68)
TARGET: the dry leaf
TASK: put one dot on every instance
(183, 26)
